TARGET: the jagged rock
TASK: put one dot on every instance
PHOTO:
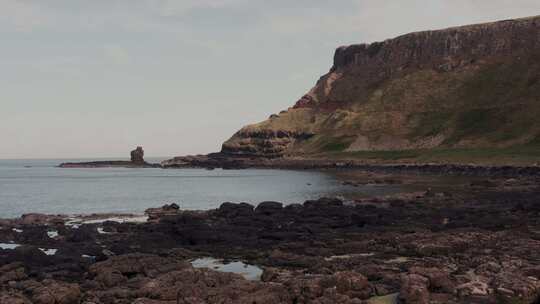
(414, 289)
(269, 208)
(473, 288)
(235, 210)
(13, 298)
(165, 210)
(12, 272)
(438, 279)
(137, 155)
(52, 292)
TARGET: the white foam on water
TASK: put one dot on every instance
(137, 219)
(52, 234)
(49, 251)
(9, 245)
(250, 272)
(17, 230)
(100, 230)
(76, 223)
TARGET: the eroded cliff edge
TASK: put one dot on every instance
(463, 87)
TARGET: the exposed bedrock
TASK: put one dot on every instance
(266, 143)
(462, 87)
(137, 156)
(476, 243)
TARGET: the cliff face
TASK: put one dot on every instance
(470, 86)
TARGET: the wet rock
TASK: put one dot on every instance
(53, 292)
(136, 263)
(269, 208)
(414, 289)
(35, 219)
(438, 279)
(163, 211)
(323, 202)
(27, 255)
(484, 184)
(13, 298)
(12, 272)
(232, 210)
(473, 288)
(353, 285)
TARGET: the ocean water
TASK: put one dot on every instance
(39, 186)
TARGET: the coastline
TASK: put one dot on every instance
(431, 244)
(217, 160)
(108, 164)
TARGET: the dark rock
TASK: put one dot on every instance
(414, 289)
(137, 155)
(269, 208)
(235, 210)
(163, 211)
(323, 203)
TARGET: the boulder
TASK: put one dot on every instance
(12, 272)
(352, 284)
(414, 289)
(165, 210)
(13, 298)
(53, 292)
(269, 208)
(473, 288)
(323, 202)
(234, 210)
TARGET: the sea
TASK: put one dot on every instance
(40, 186)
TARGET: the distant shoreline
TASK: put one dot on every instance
(109, 164)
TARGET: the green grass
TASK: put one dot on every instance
(475, 122)
(430, 124)
(385, 155)
(518, 155)
(332, 144)
(499, 102)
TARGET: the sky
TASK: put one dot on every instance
(95, 78)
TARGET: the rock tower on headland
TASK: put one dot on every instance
(137, 155)
(475, 86)
(137, 161)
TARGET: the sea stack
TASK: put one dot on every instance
(137, 161)
(137, 155)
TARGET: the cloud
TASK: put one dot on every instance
(116, 54)
(22, 16)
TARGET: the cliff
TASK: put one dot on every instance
(474, 86)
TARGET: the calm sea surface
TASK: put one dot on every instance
(38, 186)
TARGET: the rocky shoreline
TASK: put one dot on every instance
(224, 161)
(136, 161)
(472, 243)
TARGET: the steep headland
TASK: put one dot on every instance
(421, 96)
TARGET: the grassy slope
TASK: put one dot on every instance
(488, 115)
(517, 155)
(485, 113)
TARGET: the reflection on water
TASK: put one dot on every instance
(250, 272)
(388, 299)
(44, 188)
(8, 246)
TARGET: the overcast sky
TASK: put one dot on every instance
(95, 78)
